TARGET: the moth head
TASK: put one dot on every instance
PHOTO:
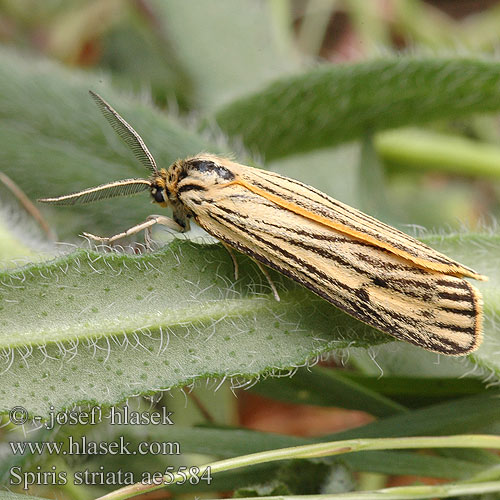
(158, 188)
(156, 183)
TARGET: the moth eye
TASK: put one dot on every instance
(157, 194)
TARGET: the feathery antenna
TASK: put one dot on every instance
(127, 133)
(109, 190)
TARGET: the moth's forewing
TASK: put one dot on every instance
(434, 310)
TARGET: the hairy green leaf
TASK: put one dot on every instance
(94, 327)
(338, 103)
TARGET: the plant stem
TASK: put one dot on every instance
(445, 153)
(324, 450)
(403, 492)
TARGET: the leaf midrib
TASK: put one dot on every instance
(120, 327)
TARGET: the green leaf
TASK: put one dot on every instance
(12, 247)
(453, 417)
(468, 415)
(324, 387)
(371, 182)
(334, 169)
(8, 495)
(140, 54)
(332, 104)
(93, 327)
(415, 392)
(102, 327)
(385, 462)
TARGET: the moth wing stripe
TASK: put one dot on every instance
(455, 297)
(334, 239)
(438, 333)
(401, 284)
(190, 187)
(349, 213)
(287, 256)
(318, 250)
(367, 220)
(453, 327)
(457, 311)
(446, 283)
(434, 266)
(358, 307)
(338, 299)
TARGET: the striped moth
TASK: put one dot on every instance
(369, 269)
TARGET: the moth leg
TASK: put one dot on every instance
(163, 221)
(233, 258)
(259, 265)
(143, 226)
(269, 280)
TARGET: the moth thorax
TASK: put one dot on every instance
(207, 171)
